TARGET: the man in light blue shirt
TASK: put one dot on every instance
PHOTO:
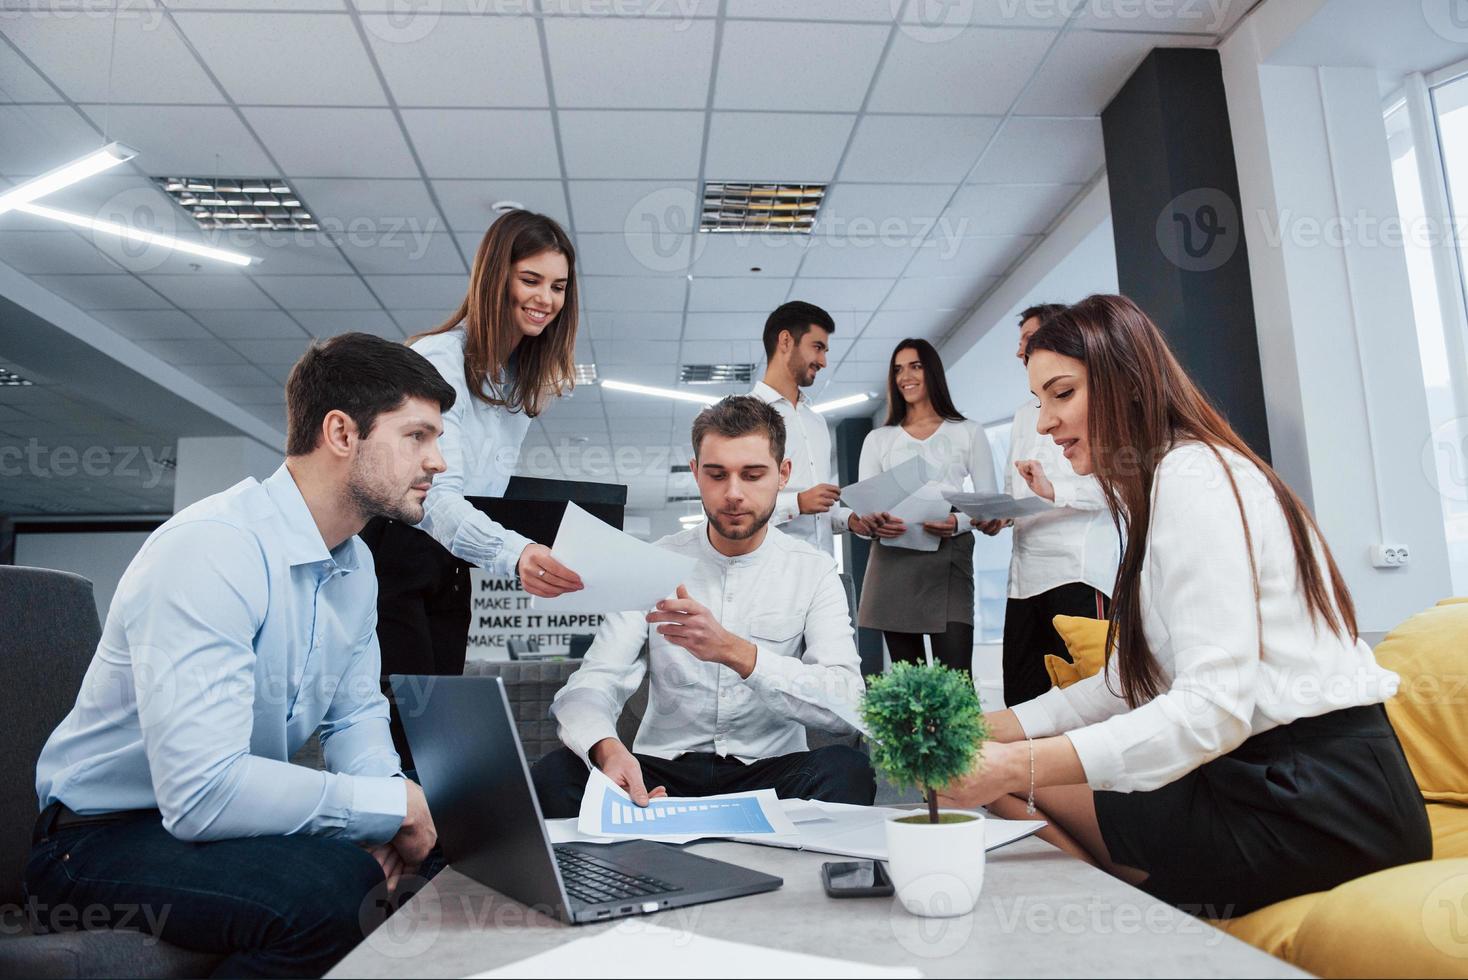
(244, 624)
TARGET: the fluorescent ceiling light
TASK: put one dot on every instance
(686, 396)
(123, 231)
(846, 402)
(586, 374)
(689, 519)
(65, 175)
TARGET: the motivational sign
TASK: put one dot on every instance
(501, 612)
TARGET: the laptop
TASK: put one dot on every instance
(473, 772)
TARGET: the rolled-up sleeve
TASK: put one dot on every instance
(587, 707)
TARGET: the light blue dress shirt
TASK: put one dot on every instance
(234, 635)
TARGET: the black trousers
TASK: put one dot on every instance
(1029, 634)
(835, 774)
(423, 608)
(954, 647)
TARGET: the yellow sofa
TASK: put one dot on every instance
(1409, 921)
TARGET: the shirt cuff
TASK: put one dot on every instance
(840, 516)
(379, 806)
(1036, 717)
(508, 559)
(787, 507)
(1099, 757)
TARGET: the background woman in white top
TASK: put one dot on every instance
(1234, 752)
(508, 350)
(909, 593)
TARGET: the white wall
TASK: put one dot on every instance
(209, 465)
(101, 557)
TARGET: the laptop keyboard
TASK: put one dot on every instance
(594, 881)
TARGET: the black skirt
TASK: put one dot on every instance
(1297, 809)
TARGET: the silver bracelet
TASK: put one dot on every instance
(1030, 803)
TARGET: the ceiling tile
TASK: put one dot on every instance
(1044, 151)
(482, 143)
(412, 322)
(318, 292)
(361, 143)
(617, 254)
(329, 323)
(262, 394)
(621, 352)
(977, 72)
(403, 253)
(943, 293)
(266, 5)
(211, 292)
(973, 258)
(633, 326)
(645, 206)
(882, 209)
(634, 64)
(1007, 209)
(910, 323)
(466, 203)
(599, 144)
(217, 141)
(182, 352)
(1213, 17)
(773, 146)
(871, 10)
(443, 293)
(38, 138)
(841, 294)
(119, 292)
(327, 63)
(19, 82)
(910, 149)
(60, 251)
(463, 61)
(283, 253)
(937, 22)
(1088, 68)
(249, 324)
(823, 67)
(272, 352)
(629, 294)
(148, 63)
(749, 294)
(844, 258)
(685, 10)
(370, 207)
(736, 253)
(732, 351)
(153, 324)
(723, 326)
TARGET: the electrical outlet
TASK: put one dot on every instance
(1390, 555)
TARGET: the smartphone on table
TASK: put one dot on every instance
(855, 879)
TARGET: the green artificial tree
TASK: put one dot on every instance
(925, 725)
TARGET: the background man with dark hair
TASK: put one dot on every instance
(244, 624)
(797, 336)
(756, 645)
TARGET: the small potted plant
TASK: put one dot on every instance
(926, 728)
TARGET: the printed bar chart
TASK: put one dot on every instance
(717, 818)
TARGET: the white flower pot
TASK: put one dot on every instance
(937, 869)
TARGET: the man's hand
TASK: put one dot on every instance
(819, 498)
(695, 629)
(884, 525)
(621, 767)
(991, 528)
(1034, 475)
(416, 837)
(942, 529)
(542, 575)
(391, 861)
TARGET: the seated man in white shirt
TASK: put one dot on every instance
(756, 646)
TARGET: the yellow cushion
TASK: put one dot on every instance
(1449, 832)
(1429, 712)
(1409, 921)
(1085, 640)
(1273, 927)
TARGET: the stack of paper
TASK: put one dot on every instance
(997, 506)
(906, 493)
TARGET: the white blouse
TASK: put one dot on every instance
(480, 446)
(955, 451)
(1222, 681)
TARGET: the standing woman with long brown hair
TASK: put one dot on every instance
(1234, 751)
(909, 593)
(508, 350)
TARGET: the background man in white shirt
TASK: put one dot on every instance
(1064, 560)
(756, 646)
(797, 336)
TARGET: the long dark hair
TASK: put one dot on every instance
(934, 380)
(544, 365)
(1141, 404)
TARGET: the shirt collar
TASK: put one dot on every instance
(769, 395)
(302, 538)
(715, 555)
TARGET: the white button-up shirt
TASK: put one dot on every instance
(786, 599)
(480, 446)
(1077, 541)
(1224, 680)
(808, 447)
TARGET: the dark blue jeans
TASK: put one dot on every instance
(270, 906)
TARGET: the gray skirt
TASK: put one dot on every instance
(908, 591)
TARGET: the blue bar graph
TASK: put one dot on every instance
(714, 818)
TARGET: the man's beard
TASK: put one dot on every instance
(373, 498)
(754, 528)
(804, 376)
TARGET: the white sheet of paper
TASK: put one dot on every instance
(648, 949)
(620, 572)
(886, 490)
(607, 811)
(998, 506)
(925, 505)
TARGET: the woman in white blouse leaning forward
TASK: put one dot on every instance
(908, 592)
(508, 350)
(1234, 752)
